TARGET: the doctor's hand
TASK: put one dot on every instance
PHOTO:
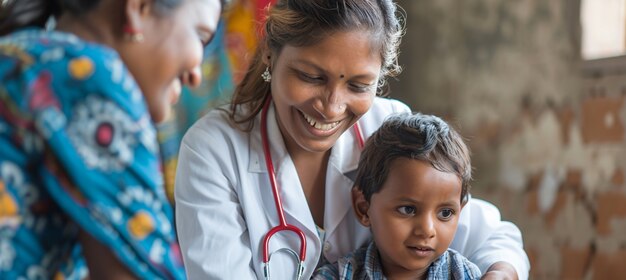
(500, 271)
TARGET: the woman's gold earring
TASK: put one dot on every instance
(267, 77)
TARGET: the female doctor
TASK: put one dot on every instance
(319, 70)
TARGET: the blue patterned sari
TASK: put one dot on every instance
(78, 151)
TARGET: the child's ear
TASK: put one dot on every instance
(360, 206)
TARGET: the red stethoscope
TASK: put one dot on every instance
(283, 226)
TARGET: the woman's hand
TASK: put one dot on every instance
(500, 271)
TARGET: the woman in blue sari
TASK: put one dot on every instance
(81, 190)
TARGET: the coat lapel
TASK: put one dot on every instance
(340, 179)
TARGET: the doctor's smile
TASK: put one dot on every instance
(320, 125)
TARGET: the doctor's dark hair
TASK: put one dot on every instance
(414, 136)
(16, 14)
(301, 23)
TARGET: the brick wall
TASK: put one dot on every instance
(548, 138)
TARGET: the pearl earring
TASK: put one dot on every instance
(267, 76)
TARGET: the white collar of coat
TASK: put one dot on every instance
(344, 155)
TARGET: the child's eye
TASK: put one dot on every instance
(406, 210)
(445, 214)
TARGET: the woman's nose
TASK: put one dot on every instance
(332, 104)
(193, 77)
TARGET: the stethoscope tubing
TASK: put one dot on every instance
(283, 226)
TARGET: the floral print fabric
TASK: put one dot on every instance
(78, 152)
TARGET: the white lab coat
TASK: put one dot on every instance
(224, 204)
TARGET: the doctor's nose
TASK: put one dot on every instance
(332, 104)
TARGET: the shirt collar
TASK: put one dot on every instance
(373, 268)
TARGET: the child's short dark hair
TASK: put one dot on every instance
(415, 136)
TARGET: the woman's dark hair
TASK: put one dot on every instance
(414, 136)
(16, 14)
(301, 23)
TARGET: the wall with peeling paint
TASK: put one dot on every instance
(548, 142)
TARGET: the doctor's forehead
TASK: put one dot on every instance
(350, 50)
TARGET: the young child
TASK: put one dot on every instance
(412, 182)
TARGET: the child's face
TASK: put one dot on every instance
(414, 216)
